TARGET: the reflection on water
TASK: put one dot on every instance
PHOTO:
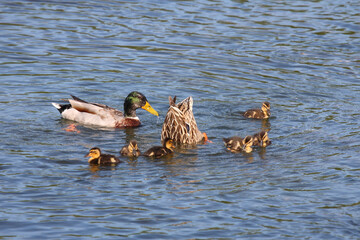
(301, 56)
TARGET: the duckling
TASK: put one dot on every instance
(101, 159)
(238, 144)
(160, 151)
(257, 113)
(261, 139)
(130, 150)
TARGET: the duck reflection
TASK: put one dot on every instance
(95, 169)
(265, 125)
(262, 153)
(129, 134)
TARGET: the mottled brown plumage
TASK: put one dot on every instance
(101, 159)
(180, 124)
(238, 144)
(130, 150)
(258, 113)
(261, 139)
(160, 151)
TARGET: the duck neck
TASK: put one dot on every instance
(129, 110)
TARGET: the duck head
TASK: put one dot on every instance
(264, 140)
(137, 100)
(93, 153)
(133, 148)
(169, 144)
(265, 106)
(247, 144)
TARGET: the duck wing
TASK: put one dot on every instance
(93, 108)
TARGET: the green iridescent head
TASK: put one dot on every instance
(134, 101)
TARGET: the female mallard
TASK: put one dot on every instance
(261, 139)
(238, 144)
(96, 157)
(180, 124)
(160, 151)
(257, 113)
(101, 115)
(130, 150)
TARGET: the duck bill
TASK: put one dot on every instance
(148, 108)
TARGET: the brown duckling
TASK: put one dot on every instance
(160, 151)
(238, 144)
(130, 150)
(261, 139)
(101, 159)
(257, 113)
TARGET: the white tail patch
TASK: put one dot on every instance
(56, 105)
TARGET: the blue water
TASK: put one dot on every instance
(301, 56)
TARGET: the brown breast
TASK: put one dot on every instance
(128, 122)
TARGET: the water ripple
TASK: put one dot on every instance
(302, 56)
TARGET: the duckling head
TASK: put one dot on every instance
(169, 144)
(264, 139)
(93, 153)
(133, 147)
(265, 106)
(247, 143)
(232, 144)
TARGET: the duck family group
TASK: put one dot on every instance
(179, 126)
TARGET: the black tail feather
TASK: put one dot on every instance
(61, 107)
(78, 99)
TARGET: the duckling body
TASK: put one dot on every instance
(180, 124)
(130, 150)
(160, 151)
(101, 115)
(261, 139)
(96, 157)
(238, 144)
(258, 113)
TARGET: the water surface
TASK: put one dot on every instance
(301, 56)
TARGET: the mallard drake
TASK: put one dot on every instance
(238, 144)
(101, 115)
(130, 150)
(261, 139)
(180, 124)
(160, 151)
(257, 113)
(96, 157)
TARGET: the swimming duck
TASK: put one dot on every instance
(130, 150)
(160, 151)
(101, 159)
(257, 113)
(180, 124)
(261, 139)
(238, 144)
(101, 115)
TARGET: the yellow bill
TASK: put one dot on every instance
(148, 108)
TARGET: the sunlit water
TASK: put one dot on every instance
(301, 56)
